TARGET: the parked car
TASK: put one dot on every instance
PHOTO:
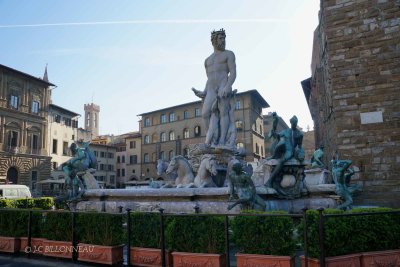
(11, 191)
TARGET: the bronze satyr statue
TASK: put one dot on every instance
(241, 184)
(317, 158)
(287, 146)
(342, 176)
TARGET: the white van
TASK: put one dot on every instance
(11, 191)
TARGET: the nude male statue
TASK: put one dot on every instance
(288, 145)
(221, 73)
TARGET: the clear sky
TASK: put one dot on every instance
(132, 57)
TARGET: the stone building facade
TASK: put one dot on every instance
(24, 104)
(168, 132)
(106, 165)
(62, 129)
(354, 95)
(133, 153)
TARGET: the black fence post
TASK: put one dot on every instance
(163, 263)
(120, 209)
(305, 237)
(321, 237)
(29, 234)
(228, 261)
(196, 209)
(74, 254)
(129, 234)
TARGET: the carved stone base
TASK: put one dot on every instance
(222, 155)
(289, 181)
(317, 176)
(208, 200)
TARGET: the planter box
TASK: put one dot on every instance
(9, 244)
(248, 260)
(58, 249)
(36, 245)
(381, 258)
(110, 255)
(183, 259)
(351, 260)
(149, 257)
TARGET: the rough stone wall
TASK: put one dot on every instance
(358, 82)
(25, 164)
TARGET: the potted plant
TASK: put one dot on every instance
(379, 237)
(13, 225)
(36, 235)
(264, 240)
(57, 229)
(146, 240)
(101, 238)
(196, 240)
(354, 240)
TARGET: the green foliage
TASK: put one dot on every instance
(197, 234)
(13, 223)
(100, 228)
(267, 235)
(145, 230)
(352, 234)
(43, 203)
(7, 203)
(37, 224)
(58, 226)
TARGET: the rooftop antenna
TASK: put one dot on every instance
(92, 96)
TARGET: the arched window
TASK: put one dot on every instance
(186, 114)
(13, 131)
(163, 118)
(147, 139)
(171, 117)
(185, 133)
(237, 104)
(197, 112)
(163, 137)
(118, 159)
(146, 158)
(171, 154)
(162, 155)
(257, 149)
(171, 136)
(239, 145)
(33, 141)
(146, 122)
(197, 131)
(88, 119)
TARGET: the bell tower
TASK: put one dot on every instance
(92, 119)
